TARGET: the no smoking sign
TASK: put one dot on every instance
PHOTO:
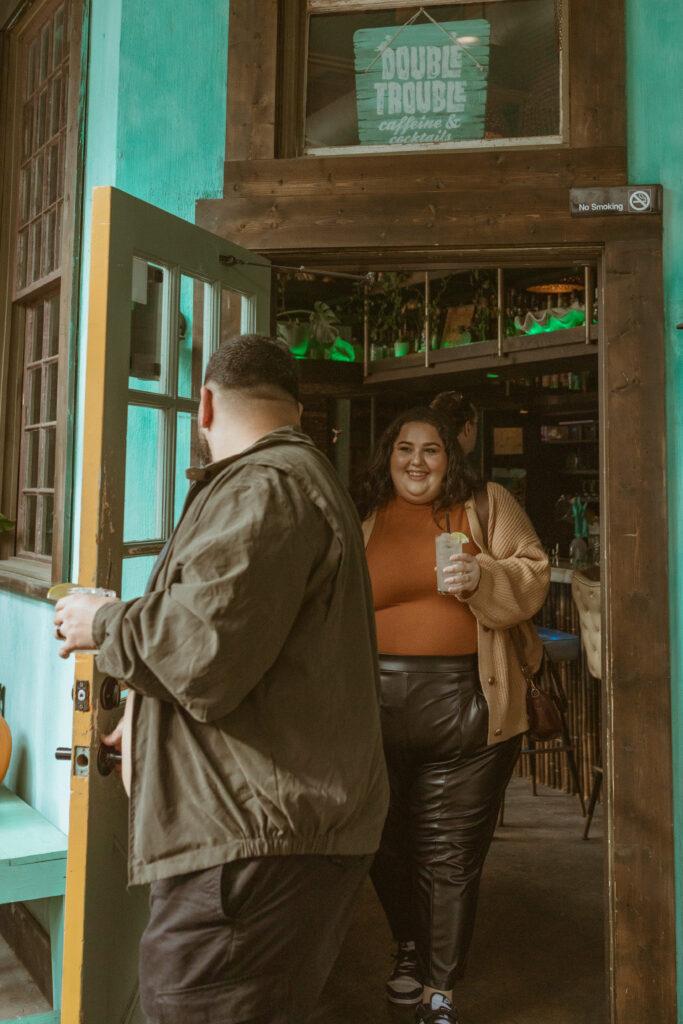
(619, 200)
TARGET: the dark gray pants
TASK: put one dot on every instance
(248, 942)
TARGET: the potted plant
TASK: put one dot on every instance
(313, 335)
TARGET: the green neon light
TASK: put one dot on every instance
(574, 318)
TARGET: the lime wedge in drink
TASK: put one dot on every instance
(60, 590)
(462, 537)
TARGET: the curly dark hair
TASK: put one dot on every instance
(374, 488)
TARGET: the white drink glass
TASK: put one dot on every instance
(447, 544)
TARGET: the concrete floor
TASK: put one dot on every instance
(537, 953)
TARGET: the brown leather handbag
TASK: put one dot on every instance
(542, 707)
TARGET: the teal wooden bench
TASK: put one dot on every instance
(33, 867)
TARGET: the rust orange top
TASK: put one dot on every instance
(412, 617)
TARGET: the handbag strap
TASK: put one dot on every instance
(481, 507)
(516, 638)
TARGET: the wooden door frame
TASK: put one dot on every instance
(639, 857)
(429, 205)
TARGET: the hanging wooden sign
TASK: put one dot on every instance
(422, 84)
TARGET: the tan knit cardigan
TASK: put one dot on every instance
(515, 576)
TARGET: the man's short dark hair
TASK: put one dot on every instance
(255, 363)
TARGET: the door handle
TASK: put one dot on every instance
(107, 759)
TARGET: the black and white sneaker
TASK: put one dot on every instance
(404, 986)
(439, 1011)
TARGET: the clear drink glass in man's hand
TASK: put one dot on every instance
(447, 544)
(60, 590)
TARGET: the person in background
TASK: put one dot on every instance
(453, 692)
(462, 414)
(252, 741)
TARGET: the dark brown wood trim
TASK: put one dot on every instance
(291, 53)
(597, 73)
(475, 218)
(636, 609)
(252, 75)
(30, 943)
(433, 172)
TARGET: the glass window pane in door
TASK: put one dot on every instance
(187, 454)
(142, 518)
(148, 326)
(195, 304)
(232, 311)
(134, 575)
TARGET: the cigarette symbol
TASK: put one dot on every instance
(639, 201)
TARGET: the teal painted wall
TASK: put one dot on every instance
(655, 145)
(38, 705)
(155, 128)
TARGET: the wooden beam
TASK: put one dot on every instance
(468, 218)
(425, 172)
(252, 68)
(636, 620)
(597, 73)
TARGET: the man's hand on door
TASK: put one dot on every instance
(73, 622)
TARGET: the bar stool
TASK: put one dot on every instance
(587, 598)
(559, 646)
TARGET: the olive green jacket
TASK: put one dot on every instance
(258, 730)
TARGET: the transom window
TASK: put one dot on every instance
(381, 75)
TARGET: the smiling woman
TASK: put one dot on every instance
(418, 463)
(453, 708)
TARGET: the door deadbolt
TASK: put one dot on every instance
(110, 693)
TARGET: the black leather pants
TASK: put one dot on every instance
(446, 789)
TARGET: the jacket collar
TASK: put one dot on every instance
(204, 474)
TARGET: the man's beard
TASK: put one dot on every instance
(202, 450)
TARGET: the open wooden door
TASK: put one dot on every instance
(163, 293)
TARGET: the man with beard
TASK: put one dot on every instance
(251, 741)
